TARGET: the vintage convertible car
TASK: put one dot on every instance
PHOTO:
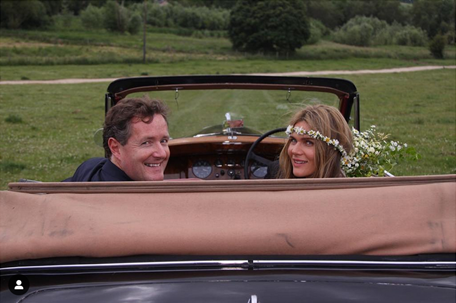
(234, 237)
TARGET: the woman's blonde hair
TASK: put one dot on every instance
(330, 123)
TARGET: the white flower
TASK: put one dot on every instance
(372, 154)
(289, 130)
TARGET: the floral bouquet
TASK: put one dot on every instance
(373, 155)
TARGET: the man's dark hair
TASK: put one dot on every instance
(118, 119)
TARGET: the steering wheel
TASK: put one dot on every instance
(252, 156)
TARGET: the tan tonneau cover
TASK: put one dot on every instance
(373, 216)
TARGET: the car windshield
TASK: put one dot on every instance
(206, 112)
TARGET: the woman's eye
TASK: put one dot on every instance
(309, 143)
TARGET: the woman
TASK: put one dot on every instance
(319, 137)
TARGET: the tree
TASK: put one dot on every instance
(325, 11)
(23, 14)
(53, 7)
(269, 26)
(335, 13)
(433, 16)
(227, 4)
(76, 6)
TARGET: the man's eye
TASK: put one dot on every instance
(145, 143)
(165, 141)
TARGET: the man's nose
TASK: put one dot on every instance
(160, 151)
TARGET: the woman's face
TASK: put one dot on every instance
(302, 152)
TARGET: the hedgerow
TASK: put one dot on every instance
(368, 31)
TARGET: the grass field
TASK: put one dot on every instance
(47, 130)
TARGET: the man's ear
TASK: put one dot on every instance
(114, 146)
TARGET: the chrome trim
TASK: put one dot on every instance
(388, 174)
(222, 263)
(230, 264)
(205, 135)
(346, 262)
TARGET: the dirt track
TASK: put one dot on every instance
(303, 73)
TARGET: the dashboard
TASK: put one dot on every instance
(219, 157)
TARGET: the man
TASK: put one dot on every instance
(135, 139)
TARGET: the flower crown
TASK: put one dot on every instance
(317, 135)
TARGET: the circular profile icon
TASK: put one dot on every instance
(18, 285)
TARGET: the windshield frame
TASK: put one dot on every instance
(345, 90)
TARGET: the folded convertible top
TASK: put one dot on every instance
(364, 216)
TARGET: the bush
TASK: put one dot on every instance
(384, 37)
(362, 34)
(156, 15)
(272, 26)
(437, 46)
(116, 17)
(188, 17)
(411, 36)
(134, 25)
(451, 36)
(92, 17)
(418, 37)
(196, 18)
(360, 31)
(317, 30)
(66, 20)
(366, 31)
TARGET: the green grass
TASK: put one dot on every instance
(101, 47)
(71, 47)
(36, 55)
(417, 108)
(56, 133)
(195, 67)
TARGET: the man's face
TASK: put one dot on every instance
(146, 153)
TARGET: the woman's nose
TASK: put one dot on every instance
(297, 150)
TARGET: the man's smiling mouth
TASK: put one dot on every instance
(152, 164)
